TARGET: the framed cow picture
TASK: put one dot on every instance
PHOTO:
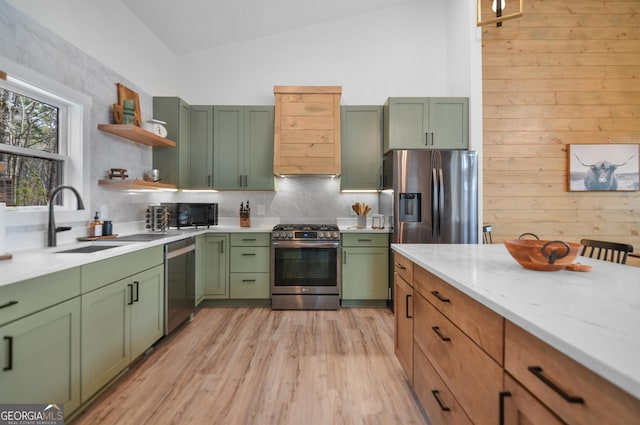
(604, 167)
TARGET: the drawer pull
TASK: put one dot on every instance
(137, 285)
(440, 297)
(406, 306)
(248, 280)
(248, 253)
(537, 371)
(364, 240)
(436, 395)
(436, 329)
(10, 366)
(248, 239)
(503, 395)
(9, 304)
(400, 266)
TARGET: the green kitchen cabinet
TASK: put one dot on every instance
(249, 265)
(365, 269)
(362, 138)
(426, 123)
(201, 147)
(243, 147)
(173, 162)
(119, 322)
(41, 357)
(212, 271)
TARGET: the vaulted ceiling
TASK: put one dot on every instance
(187, 26)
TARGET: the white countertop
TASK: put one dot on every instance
(592, 317)
(32, 263)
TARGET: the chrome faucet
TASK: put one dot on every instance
(52, 230)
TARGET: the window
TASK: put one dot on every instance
(30, 160)
(41, 139)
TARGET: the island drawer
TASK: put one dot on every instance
(436, 399)
(482, 325)
(28, 296)
(574, 393)
(470, 374)
(250, 239)
(404, 267)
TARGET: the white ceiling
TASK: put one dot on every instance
(187, 26)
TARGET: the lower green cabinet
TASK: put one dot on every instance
(212, 272)
(119, 322)
(41, 357)
(365, 269)
(249, 265)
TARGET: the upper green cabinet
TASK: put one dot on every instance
(426, 123)
(201, 147)
(243, 147)
(361, 134)
(173, 162)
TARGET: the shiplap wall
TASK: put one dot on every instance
(566, 72)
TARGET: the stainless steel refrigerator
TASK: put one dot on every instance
(431, 196)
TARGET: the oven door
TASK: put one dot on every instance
(305, 267)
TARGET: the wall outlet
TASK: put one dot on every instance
(261, 210)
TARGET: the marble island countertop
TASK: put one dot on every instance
(592, 317)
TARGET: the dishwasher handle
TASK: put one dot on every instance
(181, 251)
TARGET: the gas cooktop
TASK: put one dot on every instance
(308, 232)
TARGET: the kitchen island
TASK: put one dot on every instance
(590, 317)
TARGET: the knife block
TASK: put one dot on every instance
(245, 219)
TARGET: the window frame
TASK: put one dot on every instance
(74, 143)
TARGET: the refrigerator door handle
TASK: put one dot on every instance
(434, 203)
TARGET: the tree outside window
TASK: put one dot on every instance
(30, 161)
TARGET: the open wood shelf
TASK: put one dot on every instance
(134, 184)
(137, 134)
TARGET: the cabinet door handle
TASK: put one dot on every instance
(537, 371)
(406, 306)
(209, 180)
(426, 138)
(440, 297)
(503, 395)
(344, 257)
(9, 304)
(130, 286)
(137, 285)
(400, 266)
(246, 180)
(436, 395)
(221, 247)
(10, 362)
(436, 329)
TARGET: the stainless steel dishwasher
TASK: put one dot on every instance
(180, 282)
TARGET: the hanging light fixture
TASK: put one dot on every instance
(498, 7)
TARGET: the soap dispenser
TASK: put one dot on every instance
(95, 228)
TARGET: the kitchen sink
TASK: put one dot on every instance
(142, 237)
(86, 249)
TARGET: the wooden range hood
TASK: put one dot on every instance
(307, 130)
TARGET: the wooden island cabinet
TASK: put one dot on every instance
(467, 364)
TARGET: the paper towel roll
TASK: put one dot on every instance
(3, 229)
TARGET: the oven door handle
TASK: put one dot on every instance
(305, 244)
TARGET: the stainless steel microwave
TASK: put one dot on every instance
(188, 214)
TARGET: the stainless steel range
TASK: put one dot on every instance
(305, 267)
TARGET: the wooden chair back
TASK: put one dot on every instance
(608, 251)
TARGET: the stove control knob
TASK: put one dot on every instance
(290, 235)
(334, 235)
(276, 235)
(321, 235)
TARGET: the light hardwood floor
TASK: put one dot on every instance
(257, 366)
